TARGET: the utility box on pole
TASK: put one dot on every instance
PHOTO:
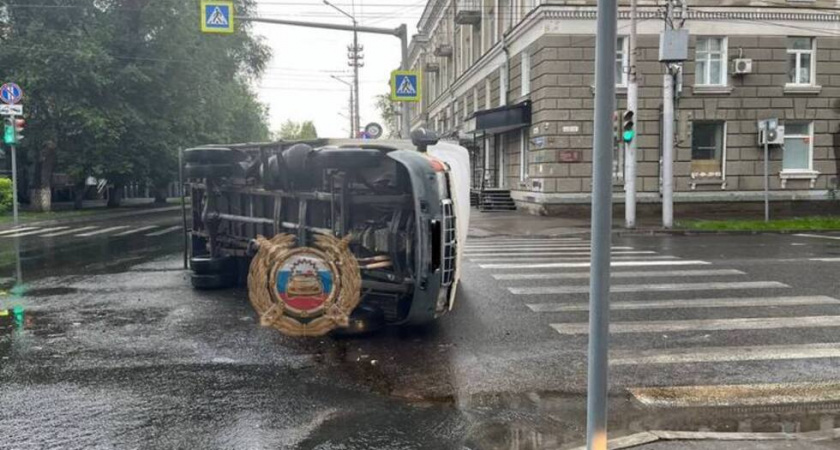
(673, 46)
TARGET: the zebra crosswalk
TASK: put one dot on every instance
(88, 231)
(655, 296)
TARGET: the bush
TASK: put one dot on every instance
(5, 194)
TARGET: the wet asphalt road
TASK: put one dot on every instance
(119, 352)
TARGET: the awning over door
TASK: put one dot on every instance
(503, 118)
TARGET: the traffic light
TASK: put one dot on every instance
(9, 132)
(19, 124)
(628, 126)
(616, 130)
(13, 131)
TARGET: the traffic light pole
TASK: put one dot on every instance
(400, 32)
(14, 184)
(599, 278)
(766, 172)
(631, 147)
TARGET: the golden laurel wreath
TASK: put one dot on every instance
(343, 298)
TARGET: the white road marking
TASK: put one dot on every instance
(31, 232)
(548, 259)
(738, 395)
(102, 231)
(492, 241)
(548, 255)
(825, 259)
(627, 274)
(666, 287)
(136, 230)
(817, 236)
(580, 265)
(165, 230)
(70, 231)
(535, 249)
(723, 354)
(665, 326)
(17, 230)
(484, 248)
(737, 302)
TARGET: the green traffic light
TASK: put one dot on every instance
(9, 135)
(628, 135)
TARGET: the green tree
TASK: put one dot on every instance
(115, 87)
(388, 112)
(294, 131)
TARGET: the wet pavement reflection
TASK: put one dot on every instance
(113, 349)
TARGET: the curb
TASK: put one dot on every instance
(647, 437)
(664, 232)
(650, 232)
(96, 217)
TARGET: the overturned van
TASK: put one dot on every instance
(331, 234)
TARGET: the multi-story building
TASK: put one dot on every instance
(513, 80)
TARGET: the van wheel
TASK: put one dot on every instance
(208, 170)
(211, 281)
(213, 155)
(205, 265)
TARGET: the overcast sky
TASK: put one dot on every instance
(297, 84)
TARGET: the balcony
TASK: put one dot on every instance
(443, 51)
(468, 12)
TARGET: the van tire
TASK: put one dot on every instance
(205, 265)
(192, 170)
(211, 281)
(213, 155)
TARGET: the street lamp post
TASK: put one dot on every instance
(352, 115)
(355, 63)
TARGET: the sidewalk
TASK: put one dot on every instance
(517, 223)
(93, 211)
(682, 440)
(520, 223)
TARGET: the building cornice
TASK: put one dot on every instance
(586, 13)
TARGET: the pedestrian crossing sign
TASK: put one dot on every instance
(216, 16)
(405, 86)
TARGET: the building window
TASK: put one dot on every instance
(801, 63)
(621, 64)
(799, 147)
(526, 73)
(523, 154)
(708, 149)
(475, 99)
(710, 66)
(503, 82)
(487, 94)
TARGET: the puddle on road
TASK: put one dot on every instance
(533, 421)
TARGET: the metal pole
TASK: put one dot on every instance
(183, 203)
(632, 146)
(599, 287)
(14, 182)
(668, 134)
(351, 114)
(668, 150)
(766, 174)
(358, 123)
(402, 33)
(349, 85)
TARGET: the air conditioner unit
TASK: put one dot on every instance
(742, 66)
(775, 135)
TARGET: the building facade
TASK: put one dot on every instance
(513, 81)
